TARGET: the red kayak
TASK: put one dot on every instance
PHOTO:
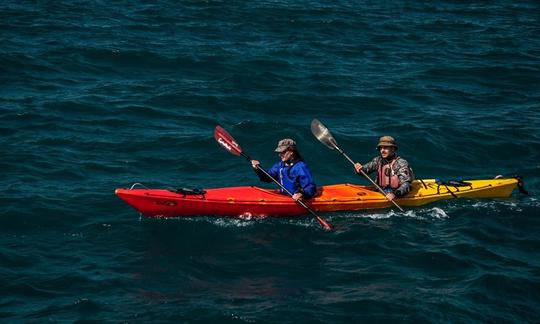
(255, 201)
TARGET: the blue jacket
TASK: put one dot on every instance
(296, 178)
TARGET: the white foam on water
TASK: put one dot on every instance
(437, 212)
(232, 222)
(306, 222)
(496, 205)
(533, 202)
(421, 214)
(244, 220)
(247, 221)
(379, 214)
(363, 214)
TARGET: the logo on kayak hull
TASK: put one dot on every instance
(169, 203)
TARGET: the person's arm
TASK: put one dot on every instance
(405, 178)
(308, 189)
(368, 167)
(273, 171)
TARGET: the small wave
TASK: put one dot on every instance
(431, 213)
(79, 306)
(250, 221)
(496, 205)
(232, 222)
(226, 222)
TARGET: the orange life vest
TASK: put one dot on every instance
(386, 177)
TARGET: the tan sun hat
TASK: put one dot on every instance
(387, 141)
(284, 144)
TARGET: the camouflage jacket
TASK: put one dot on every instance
(401, 168)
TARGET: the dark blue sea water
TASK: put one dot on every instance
(99, 95)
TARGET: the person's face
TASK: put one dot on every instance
(285, 155)
(387, 151)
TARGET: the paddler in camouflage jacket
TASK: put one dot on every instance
(394, 175)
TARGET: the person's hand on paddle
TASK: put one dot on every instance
(297, 196)
(390, 196)
(358, 167)
(255, 164)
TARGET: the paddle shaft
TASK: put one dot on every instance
(368, 177)
(300, 202)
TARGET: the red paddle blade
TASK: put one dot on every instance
(327, 227)
(227, 141)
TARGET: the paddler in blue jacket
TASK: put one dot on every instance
(292, 172)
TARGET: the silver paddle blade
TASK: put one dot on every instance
(323, 134)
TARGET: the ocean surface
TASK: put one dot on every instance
(99, 95)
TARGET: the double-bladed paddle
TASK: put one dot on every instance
(229, 143)
(324, 136)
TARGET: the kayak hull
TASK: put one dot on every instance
(250, 201)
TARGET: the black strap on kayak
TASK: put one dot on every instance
(521, 185)
(189, 192)
(422, 181)
(452, 183)
(450, 191)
